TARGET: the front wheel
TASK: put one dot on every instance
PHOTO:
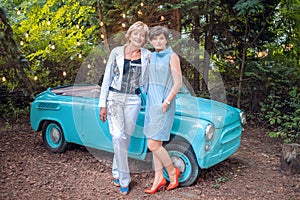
(53, 137)
(183, 158)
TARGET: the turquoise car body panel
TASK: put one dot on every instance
(78, 116)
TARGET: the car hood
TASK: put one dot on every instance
(218, 113)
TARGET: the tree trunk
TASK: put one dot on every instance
(196, 61)
(290, 158)
(176, 21)
(103, 29)
(242, 68)
(208, 48)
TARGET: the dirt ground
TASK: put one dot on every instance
(29, 171)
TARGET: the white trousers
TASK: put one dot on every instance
(122, 113)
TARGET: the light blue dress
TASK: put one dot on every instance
(158, 124)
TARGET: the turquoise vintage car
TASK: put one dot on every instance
(204, 132)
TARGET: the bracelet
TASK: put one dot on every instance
(168, 102)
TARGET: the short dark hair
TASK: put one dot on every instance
(157, 30)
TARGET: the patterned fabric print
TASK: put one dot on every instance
(116, 71)
(131, 76)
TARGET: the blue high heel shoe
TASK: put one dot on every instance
(124, 190)
(117, 182)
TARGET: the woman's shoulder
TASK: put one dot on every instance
(144, 50)
(118, 49)
(172, 52)
(174, 57)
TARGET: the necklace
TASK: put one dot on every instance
(132, 55)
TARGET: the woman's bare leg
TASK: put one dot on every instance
(161, 159)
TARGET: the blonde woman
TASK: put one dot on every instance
(126, 72)
(165, 80)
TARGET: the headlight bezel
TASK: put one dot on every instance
(210, 132)
(243, 118)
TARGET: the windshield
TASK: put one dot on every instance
(92, 91)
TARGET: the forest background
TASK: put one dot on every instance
(252, 44)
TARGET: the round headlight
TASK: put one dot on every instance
(210, 131)
(243, 117)
(207, 147)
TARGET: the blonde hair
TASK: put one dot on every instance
(138, 26)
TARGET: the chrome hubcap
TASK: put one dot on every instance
(55, 135)
(178, 162)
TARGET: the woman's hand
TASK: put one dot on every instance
(103, 114)
(165, 107)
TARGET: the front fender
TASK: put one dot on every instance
(193, 131)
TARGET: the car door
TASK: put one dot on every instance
(96, 134)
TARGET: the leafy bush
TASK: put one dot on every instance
(283, 115)
(281, 107)
(14, 106)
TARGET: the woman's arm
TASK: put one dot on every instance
(177, 76)
(177, 80)
(107, 79)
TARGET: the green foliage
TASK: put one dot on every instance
(55, 35)
(42, 41)
(281, 108)
(220, 180)
(271, 80)
(13, 105)
(248, 7)
(282, 111)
